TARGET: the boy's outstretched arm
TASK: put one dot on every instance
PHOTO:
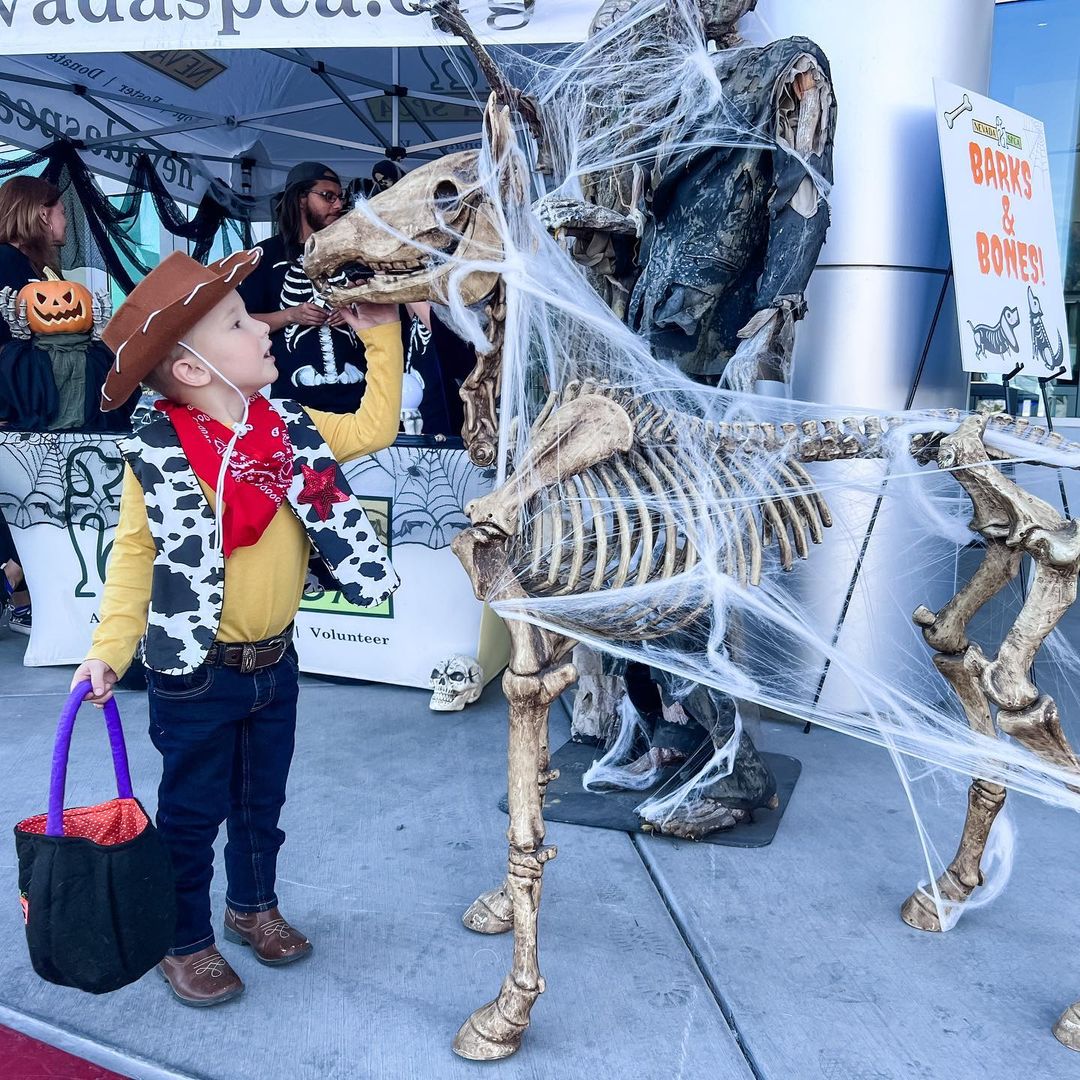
(375, 424)
(126, 599)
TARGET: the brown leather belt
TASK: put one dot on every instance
(250, 656)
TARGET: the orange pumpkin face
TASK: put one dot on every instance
(57, 307)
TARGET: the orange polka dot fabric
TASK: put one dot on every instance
(113, 822)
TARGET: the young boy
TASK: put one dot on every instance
(224, 497)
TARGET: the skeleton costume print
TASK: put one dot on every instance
(298, 289)
(322, 367)
(412, 383)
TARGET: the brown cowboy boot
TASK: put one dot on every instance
(272, 938)
(202, 978)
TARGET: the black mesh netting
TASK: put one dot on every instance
(99, 229)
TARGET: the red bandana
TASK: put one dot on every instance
(260, 468)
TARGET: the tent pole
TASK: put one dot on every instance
(108, 140)
(395, 101)
(348, 104)
(311, 136)
(48, 128)
(416, 120)
(446, 99)
(82, 91)
(305, 106)
(438, 144)
(122, 122)
(297, 56)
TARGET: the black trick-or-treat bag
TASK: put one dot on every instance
(95, 882)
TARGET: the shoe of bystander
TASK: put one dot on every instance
(20, 620)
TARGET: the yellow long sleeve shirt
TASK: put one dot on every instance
(263, 582)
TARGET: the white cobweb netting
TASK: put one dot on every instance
(672, 521)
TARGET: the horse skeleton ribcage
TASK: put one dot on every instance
(647, 516)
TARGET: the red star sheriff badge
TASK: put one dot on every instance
(321, 490)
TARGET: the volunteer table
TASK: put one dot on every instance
(60, 494)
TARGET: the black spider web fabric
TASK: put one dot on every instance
(99, 229)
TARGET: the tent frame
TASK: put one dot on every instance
(330, 76)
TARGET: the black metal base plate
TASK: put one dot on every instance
(569, 802)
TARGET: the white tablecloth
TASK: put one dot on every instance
(60, 496)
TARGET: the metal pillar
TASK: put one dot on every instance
(873, 296)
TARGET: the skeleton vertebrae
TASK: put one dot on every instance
(650, 513)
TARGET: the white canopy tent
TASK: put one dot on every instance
(241, 114)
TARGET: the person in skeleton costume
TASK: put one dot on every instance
(225, 493)
(320, 360)
(385, 174)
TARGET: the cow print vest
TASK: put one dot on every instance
(189, 571)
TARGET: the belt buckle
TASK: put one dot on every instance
(248, 659)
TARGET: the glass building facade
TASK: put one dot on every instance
(1035, 67)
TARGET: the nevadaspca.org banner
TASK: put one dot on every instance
(43, 26)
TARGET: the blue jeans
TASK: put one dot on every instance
(226, 742)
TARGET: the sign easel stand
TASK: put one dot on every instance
(1005, 380)
(1043, 381)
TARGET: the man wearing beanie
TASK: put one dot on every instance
(320, 360)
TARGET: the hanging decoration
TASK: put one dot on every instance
(99, 233)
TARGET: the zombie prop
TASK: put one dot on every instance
(734, 232)
(53, 367)
(625, 508)
(731, 227)
(731, 219)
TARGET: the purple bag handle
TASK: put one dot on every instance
(55, 824)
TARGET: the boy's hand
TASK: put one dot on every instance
(102, 679)
(365, 316)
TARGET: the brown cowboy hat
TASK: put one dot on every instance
(160, 310)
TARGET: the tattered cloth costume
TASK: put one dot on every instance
(215, 615)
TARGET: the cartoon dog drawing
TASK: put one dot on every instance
(998, 338)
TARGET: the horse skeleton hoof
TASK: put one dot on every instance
(491, 913)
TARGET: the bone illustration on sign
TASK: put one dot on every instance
(998, 338)
(638, 512)
(954, 114)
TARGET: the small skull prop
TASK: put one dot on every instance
(456, 682)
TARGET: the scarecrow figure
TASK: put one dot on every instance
(52, 370)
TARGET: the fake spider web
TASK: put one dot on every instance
(59, 479)
(431, 488)
(608, 107)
